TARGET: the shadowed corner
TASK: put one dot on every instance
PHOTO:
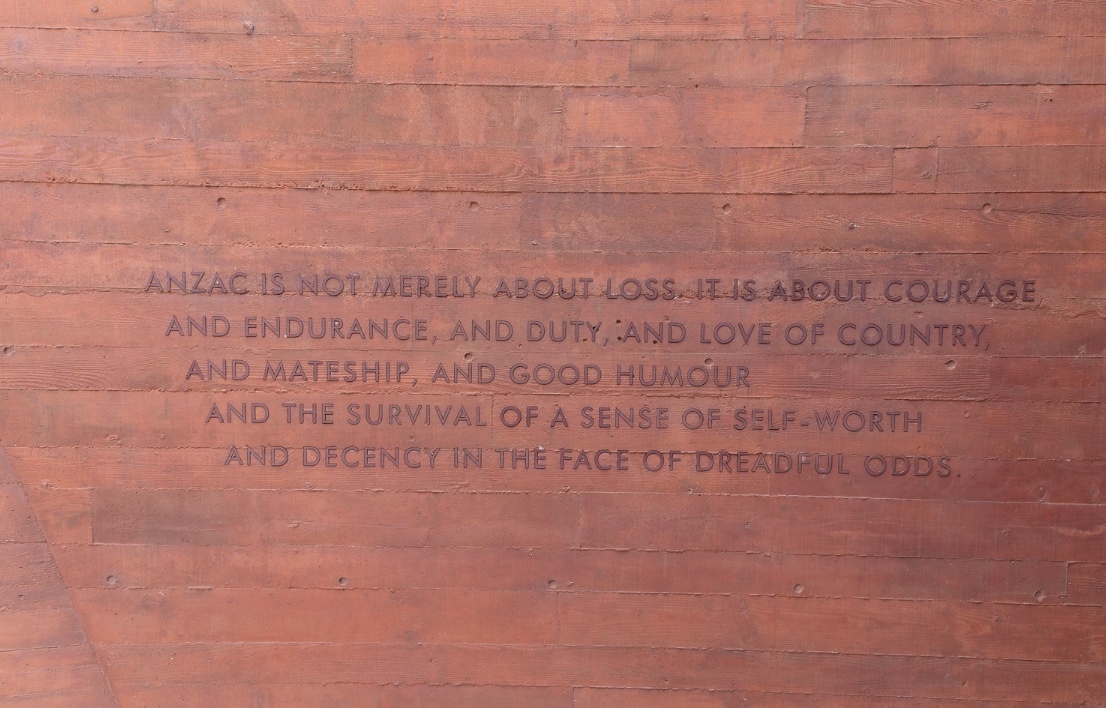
(46, 658)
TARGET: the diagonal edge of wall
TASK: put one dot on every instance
(46, 658)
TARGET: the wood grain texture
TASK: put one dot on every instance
(212, 109)
(500, 62)
(1065, 168)
(492, 169)
(217, 517)
(540, 19)
(926, 628)
(128, 268)
(833, 675)
(174, 54)
(109, 14)
(861, 526)
(952, 18)
(566, 570)
(646, 697)
(561, 223)
(955, 116)
(709, 117)
(307, 694)
(938, 62)
(317, 616)
(1087, 583)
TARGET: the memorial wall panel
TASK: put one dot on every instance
(592, 354)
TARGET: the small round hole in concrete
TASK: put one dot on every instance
(726, 208)
(552, 583)
(950, 364)
(468, 356)
(987, 208)
(799, 589)
(221, 202)
(474, 205)
(343, 581)
(1038, 596)
(708, 361)
(111, 580)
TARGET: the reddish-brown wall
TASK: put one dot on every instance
(771, 140)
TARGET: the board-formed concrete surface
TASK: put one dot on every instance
(583, 353)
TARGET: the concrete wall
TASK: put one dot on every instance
(158, 155)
